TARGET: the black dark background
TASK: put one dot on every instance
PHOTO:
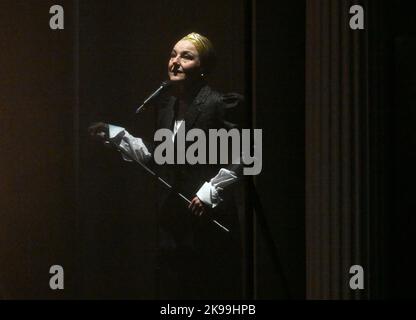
(65, 200)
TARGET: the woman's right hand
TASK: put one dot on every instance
(99, 131)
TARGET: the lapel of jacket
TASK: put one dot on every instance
(195, 108)
(168, 114)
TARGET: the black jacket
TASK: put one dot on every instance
(209, 110)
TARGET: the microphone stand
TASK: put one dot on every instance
(163, 86)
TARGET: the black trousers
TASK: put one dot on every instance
(197, 259)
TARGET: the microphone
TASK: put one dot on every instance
(164, 85)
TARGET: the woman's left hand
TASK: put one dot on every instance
(197, 207)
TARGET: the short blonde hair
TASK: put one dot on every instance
(205, 50)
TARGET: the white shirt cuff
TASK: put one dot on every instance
(208, 195)
(135, 147)
(209, 192)
(113, 131)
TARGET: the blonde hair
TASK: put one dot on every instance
(205, 50)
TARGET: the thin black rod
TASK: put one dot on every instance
(167, 185)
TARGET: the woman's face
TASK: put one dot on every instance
(184, 63)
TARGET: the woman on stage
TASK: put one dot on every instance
(196, 258)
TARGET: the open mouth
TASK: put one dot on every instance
(175, 71)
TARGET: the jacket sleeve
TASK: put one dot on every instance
(133, 146)
(231, 111)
